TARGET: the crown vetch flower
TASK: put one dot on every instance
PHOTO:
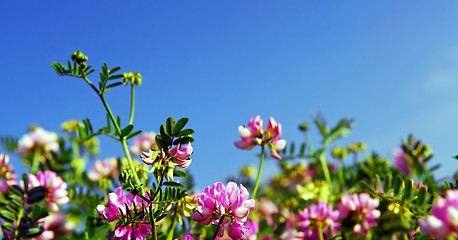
(318, 216)
(180, 155)
(117, 203)
(104, 169)
(6, 173)
(254, 135)
(361, 209)
(224, 201)
(55, 188)
(39, 139)
(144, 142)
(443, 222)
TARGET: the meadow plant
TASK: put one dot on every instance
(325, 190)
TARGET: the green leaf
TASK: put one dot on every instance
(31, 232)
(185, 132)
(127, 130)
(117, 76)
(115, 69)
(7, 215)
(179, 125)
(112, 85)
(179, 173)
(131, 135)
(37, 212)
(36, 194)
(173, 184)
(170, 125)
(183, 141)
(8, 226)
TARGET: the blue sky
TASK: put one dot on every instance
(390, 65)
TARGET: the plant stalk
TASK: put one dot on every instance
(255, 190)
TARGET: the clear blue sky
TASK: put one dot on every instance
(391, 65)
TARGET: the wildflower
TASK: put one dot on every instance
(55, 225)
(180, 156)
(120, 204)
(143, 143)
(318, 218)
(443, 223)
(360, 209)
(252, 229)
(40, 140)
(104, 169)
(225, 201)
(55, 188)
(254, 135)
(6, 173)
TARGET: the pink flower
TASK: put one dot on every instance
(360, 209)
(237, 230)
(252, 229)
(253, 135)
(117, 203)
(104, 169)
(316, 216)
(443, 222)
(6, 173)
(143, 143)
(55, 225)
(55, 188)
(38, 139)
(224, 201)
(180, 156)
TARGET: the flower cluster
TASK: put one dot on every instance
(443, 222)
(361, 207)
(318, 218)
(177, 156)
(120, 204)
(55, 225)
(38, 139)
(6, 173)
(143, 143)
(104, 169)
(254, 135)
(225, 201)
(55, 188)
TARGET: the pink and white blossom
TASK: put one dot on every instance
(8, 178)
(40, 140)
(180, 155)
(117, 203)
(443, 223)
(362, 209)
(104, 169)
(225, 201)
(55, 188)
(317, 216)
(143, 143)
(254, 135)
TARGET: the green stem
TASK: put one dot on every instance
(324, 166)
(218, 227)
(309, 144)
(16, 231)
(129, 160)
(153, 222)
(118, 131)
(132, 101)
(172, 227)
(320, 232)
(255, 190)
(35, 161)
(341, 173)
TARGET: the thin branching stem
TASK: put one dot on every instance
(258, 180)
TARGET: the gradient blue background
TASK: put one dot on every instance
(390, 65)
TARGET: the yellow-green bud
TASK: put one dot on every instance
(248, 171)
(339, 153)
(304, 127)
